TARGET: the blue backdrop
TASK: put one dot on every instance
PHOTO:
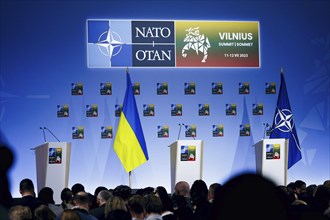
(43, 51)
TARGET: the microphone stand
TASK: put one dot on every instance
(52, 134)
(179, 131)
(43, 131)
(267, 126)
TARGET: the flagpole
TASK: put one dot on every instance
(130, 172)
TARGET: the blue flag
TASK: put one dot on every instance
(283, 125)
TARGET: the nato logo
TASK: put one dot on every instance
(124, 43)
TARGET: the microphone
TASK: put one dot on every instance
(265, 129)
(179, 130)
(185, 128)
(52, 134)
(43, 131)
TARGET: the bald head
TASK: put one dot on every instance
(182, 188)
(81, 200)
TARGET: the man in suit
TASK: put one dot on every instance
(81, 202)
(102, 198)
(26, 189)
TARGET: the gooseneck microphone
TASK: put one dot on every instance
(43, 131)
(179, 131)
(185, 128)
(52, 134)
(265, 129)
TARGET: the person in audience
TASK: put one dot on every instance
(320, 204)
(148, 191)
(211, 192)
(167, 205)
(19, 212)
(102, 198)
(81, 202)
(96, 192)
(67, 199)
(310, 191)
(6, 199)
(200, 203)
(136, 206)
(123, 191)
(78, 187)
(181, 200)
(69, 214)
(26, 189)
(248, 196)
(153, 207)
(300, 189)
(45, 195)
(114, 203)
(326, 183)
(43, 212)
(92, 200)
(182, 188)
(119, 214)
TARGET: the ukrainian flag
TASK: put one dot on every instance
(129, 143)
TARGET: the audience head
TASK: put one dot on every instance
(45, 195)
(19, 212)
(326, 183)
(118, 214)
(165, 199)
(66, 195)
(321, 198)
(26, 187)
(182, 188)
(43, 212)
(81, 199)
(103, 196)
(248, 196)
(212, 189)
(123, 191)
(78, 187)
(198, 192)
(299, 187)
(69, 214)
(136, 206)
(99, 189)
(114, 203)
(153, 205)
(148, 190)
(7, 159)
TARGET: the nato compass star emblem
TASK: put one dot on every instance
(284, 120)
(109, 43)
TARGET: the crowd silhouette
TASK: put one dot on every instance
(247, 195)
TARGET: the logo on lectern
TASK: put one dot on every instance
(188, 153)
(273, 151)
(55, 155)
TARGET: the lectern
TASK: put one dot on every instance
(272, 159)
(186, 161)
(53, 164)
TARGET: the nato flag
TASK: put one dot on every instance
(283, 125)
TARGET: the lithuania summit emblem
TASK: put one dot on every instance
(197, 42)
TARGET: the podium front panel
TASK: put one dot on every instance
(186, 161)
(272, 159)
(53, 164)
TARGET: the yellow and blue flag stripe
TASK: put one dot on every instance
(129, 144)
